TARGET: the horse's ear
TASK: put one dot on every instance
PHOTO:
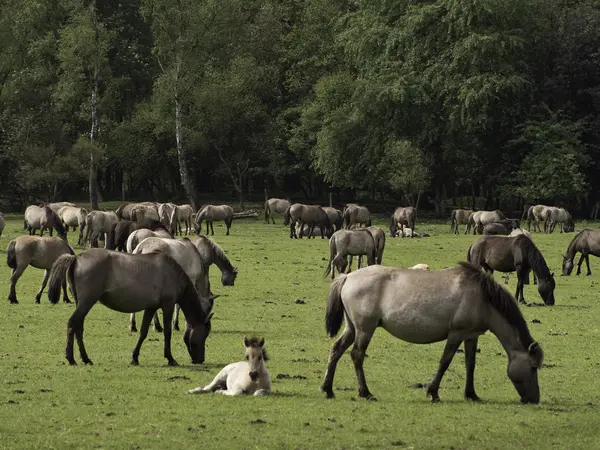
(246, 342)
(261, 342)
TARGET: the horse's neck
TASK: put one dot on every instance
(508, 335)
(191, 306)
(573, 247)
(537, 263)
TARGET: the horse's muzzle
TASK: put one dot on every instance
(253, 376)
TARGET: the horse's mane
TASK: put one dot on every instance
(219, 254)
(501, 300)
(574, 242)
(534, 256)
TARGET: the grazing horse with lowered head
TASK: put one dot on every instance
(537, 214)
(346, 243)
(72, 216)
(311, 232)
(356, 215)
(130, 283)
(210, 213)
(275, 205)
(117, 238)
(403, 217)
(586, 242)
(503, 227)
(459, 217)
(42, 218)
(514, 254)
(558, 216)
(56, 206)
(457, 305)
(181, 213)
(138, 236)
(211, 253)
(35, 251)
(99, 223)
(311, 215)
(250, 377)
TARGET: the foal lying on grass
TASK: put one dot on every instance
(249, 377)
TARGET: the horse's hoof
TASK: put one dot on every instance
(472, 397)
(135, 362)
(158, 329)
(371, 398)
(37, 301)
(176, 327)
(66, 300)
(435, 399)
(88, 362)
(72, 362)
(172, 362)
(133, 329)
(13, 302)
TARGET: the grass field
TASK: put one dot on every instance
(45, 403)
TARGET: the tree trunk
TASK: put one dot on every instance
(330, 197)
(93, 178)
(186, 180)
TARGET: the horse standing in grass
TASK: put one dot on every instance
(164, 213)
(125, 210)
(212, 213)
(403, 217)
(482, 218)
(99, 223)
(537, 214)
(336, 217)
(43, 218)
(459, 217)
(356, 215)
(275, 205)
(514, 254)
(35, 251)
(212, 253)
(423, 307)
(72, 216)
(130, 283)
(586, 242)
(250, 377)
(56, 206)
(138, 236)
(117, 238)
(346, 243)
(311, 215)
(181, 213)
(558, 216)
(379, 238)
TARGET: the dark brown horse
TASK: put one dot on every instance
(117, 238)
(312, 215)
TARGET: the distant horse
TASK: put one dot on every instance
(537, 214)
(35, 251)
(212, 213)
(586, 242)
(43, 218)
(311, 215)
(99, 223)
(514, 254)
(181, 213)
(124, 211)
(2, 224)
(56, 206)
(72, 216)
(595, 209)
(335, 216)
(457, 305)
(560, 216)
(250, 377)
(403, 217)
(482, 218)
(459, 217)
(143, 212)
(312, 232)
(130, 283)
(164, 213)
(379, 239)
(212, 253)
(355, 215)
(346, 243)
(502, 227)
(138, 236)
(117, 238)
(275, 205)
(187, 256)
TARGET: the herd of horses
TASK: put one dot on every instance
(145, 267)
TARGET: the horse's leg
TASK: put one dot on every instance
(470, 354)
(75, 329)
(361, 342)
(168, 318)
(262, 392)
(176, 316)
(402, 230)
(148, 314)
(212, 228)
(349, 264)
(132, 325)
(157, 326)
(228, 225)
(16, 274)
(581, 258)
(359, 261)
(587, 263)
(450, 349)
(44, 282)
(520, 282)
(338, 349)
(218, 383)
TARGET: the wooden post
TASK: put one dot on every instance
(331, 196)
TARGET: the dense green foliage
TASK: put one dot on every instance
(443, 98)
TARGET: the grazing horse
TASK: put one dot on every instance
(355, 215)
(99, 223)
(117, 238)
(42, 218)
(560, 216)
(346, 243)
(311, 215)
(124, 211)
(72, 216)
(212, 213)
(250, 377)
(2, 224)
(130, 283)
(423, 307)
(275, 205)
(212, 253)
(514, 254)
(403, 217)
(336, 217)
(138, 236)
(379, 239)
(537, 214)
(57, 205)
(35, 251)
(181, 213)
(587, 242)
(187, 256)
(503, 227)
(517, 232)
(482, 218)
(459, 217)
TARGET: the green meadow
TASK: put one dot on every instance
(280, 295)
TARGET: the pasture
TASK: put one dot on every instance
(280, 295)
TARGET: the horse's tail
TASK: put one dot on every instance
(11, 255)
(346, 218)
(469, 254)
(267, 211)
(287, 216)
(111, 240)
(393, 227)
(24, 224)
(334, 314)
(380, 248)
(452, 220)
(57, 277)
(332, 253)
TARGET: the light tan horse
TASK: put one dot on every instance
(250, 377)
(379, 239)
(164, 213)
(71, 216)
(138, 236)
(143, 212)
(459, 217)
(58, 205)
(558, 216)
(181, 213)
(35, 251)
(346, 243)
(99, 223)
(275, 205)
(212, 213)
(403, 217)
(212, 253)
(43, 218)
(355, 215)
(537, 214)
(483, 218)
(336, 217)
(124, 211)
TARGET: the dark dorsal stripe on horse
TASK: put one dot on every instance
(220, 259)
(536, 261)
(572, 248)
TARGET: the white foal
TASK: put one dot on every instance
(250, 377)
(420, 267)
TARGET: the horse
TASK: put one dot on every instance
(138, 236)
(2, 224)
(124, 211)
(99, 223)
(560, 216)
(537, 214)
(56, 206)
(130, 283)
(355, 215)
(212, 253)
(35, 251)
(587, 242)
(250, 377)
(403, 217)
(379, 239)
(210, 213)
(514, 254)
(482, 218)
(513, 233)
(42, 218)
(311, 232)
(143, 212)
(181, 213)
(186, 255)
(275, 205)
(164, 213)
(423, 307)
(420, 267)
(595, 209)
(345, 243)
(336, 217)
(503, 227)
(117, 238)
(459, 217)
(312, 215)
(72, 216)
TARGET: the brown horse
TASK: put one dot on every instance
(336, 217)
(275, 205)
(355, 215)
(212, 213)
(403, 217)
(459, 217)
(125, 211)
(43, 218)
(586, 242)
(312, 215)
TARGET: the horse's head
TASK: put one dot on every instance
(567, 266)
(228, 277)
(522, 370)
(195, 339)
(546, 289)
(256, 356)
